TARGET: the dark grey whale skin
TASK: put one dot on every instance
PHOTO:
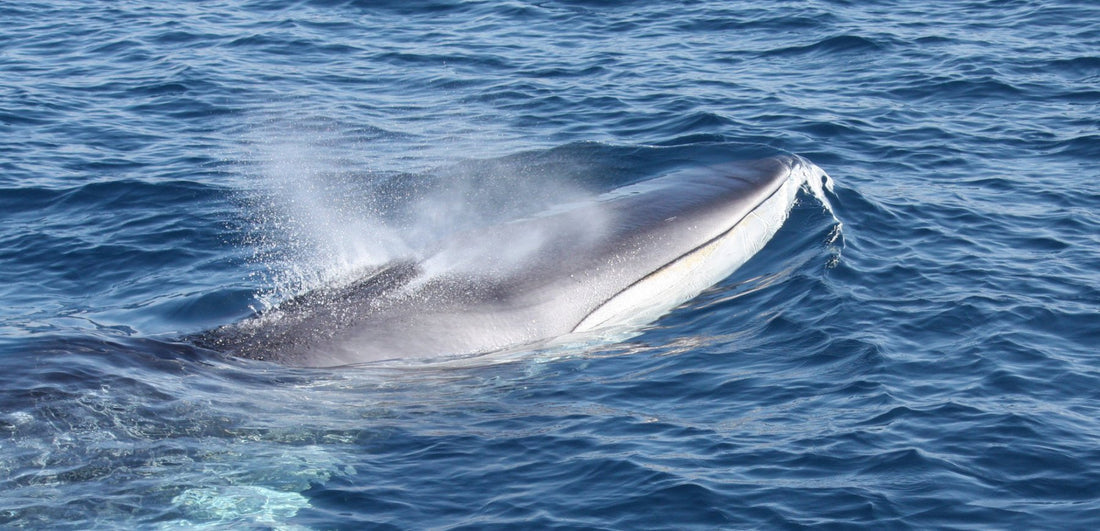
(517, 283)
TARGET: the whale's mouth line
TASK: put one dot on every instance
(678, 270)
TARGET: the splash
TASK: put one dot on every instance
(820, 185)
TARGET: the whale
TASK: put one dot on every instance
(587, 268)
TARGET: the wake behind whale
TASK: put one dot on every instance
(604, 264)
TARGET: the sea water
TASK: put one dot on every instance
(928, 358)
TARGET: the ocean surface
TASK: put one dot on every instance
(927, 358)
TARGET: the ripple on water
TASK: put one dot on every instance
(931, 364)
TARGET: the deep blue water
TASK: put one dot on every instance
(931, 361)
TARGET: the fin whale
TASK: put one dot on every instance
(618, 261)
